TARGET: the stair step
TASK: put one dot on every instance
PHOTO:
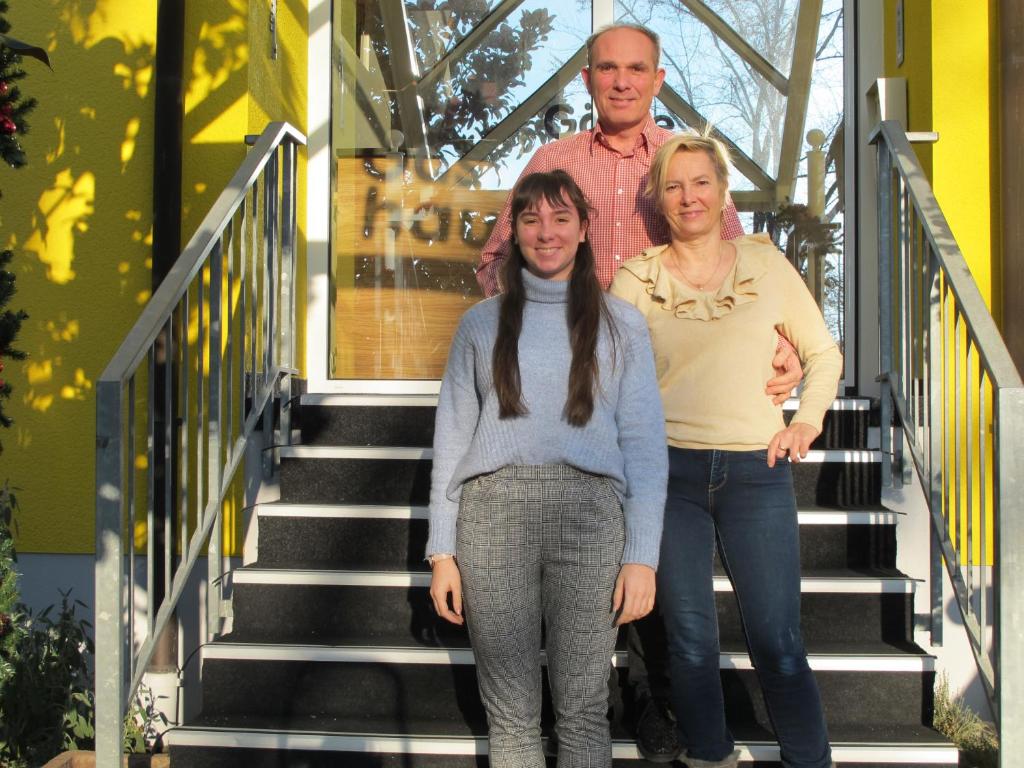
(241, 747)
(401, 476)
(394, 608)
(820, 662)
(390, 537)
(337, 420)
(442, 699)
(837, 581)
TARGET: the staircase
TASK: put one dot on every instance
(336, 657)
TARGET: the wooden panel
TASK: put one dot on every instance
(389, 333)
(404, 247)
(389, 205)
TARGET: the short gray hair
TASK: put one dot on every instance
(650, 33)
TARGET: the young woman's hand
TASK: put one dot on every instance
(446, 580)
(794, 441)
(634, 593)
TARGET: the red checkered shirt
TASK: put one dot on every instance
(624, 222)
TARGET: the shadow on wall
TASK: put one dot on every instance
(78, 218)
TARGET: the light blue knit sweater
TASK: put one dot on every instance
(624, 439)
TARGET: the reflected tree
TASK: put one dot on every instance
(475, 90)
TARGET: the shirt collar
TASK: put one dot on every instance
(643, 142)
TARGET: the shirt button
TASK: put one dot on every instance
(618, 191)
(617, 257)
(618, 223)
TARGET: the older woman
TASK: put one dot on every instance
(715, 310)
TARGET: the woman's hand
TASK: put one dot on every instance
(787, 373)
(634, 593)
(446, 580)
(794, 441)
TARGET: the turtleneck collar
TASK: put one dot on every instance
(545, 291)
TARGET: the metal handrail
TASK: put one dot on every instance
(960, 402)
(213, 351)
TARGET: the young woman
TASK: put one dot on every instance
(548, 484)
(715, 309)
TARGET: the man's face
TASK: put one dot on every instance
(623, 79)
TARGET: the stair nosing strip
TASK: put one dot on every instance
(336, 578)
(254, 738)
(344, 511)
(408, 453)
(340, 400)
(820, 662)
(422, 512)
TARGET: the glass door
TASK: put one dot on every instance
(436, 106)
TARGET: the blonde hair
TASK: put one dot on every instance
(690, 141)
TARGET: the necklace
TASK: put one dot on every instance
(699, 286)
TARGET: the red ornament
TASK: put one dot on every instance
(4, 88)
(7, 126)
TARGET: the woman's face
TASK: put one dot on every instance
(693, 197)
(548, 237)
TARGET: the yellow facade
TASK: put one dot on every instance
(79, 215)
(950, 63)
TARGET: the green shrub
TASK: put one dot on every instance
(46, 703)
(976, 739)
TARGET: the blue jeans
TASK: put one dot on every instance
(752, 509)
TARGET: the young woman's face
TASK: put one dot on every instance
(548, 237)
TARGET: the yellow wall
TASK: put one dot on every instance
(950, 64)
(79, 215)
(78, 219)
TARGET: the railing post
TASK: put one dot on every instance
(935, 465)
(112, 664)
(287, 309)
(214, 569)
(884, 183)
(1009, 565)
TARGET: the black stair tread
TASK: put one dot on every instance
(400, 642)
(813, 573)
(839, 733)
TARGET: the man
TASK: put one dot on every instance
(610, 163)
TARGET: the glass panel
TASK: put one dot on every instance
(481, 88)
(411, 212)
(714, 80)
(767, 27)
(427, 141)
(435, 31)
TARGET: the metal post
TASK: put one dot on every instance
(884, 182)
(213, 442)
(1009, 590)
(111, 664)
(936, 436)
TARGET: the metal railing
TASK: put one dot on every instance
(960, 402)
(206, 362)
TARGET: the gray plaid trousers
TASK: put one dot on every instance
(542, 541)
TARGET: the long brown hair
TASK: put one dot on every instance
(585, 312)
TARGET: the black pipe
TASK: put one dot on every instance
(167, 162)
(167, 136)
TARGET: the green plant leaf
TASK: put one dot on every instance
(25, 49)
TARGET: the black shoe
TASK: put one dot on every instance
(656, 736)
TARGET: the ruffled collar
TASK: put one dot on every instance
(544, 291)
(739, 287)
